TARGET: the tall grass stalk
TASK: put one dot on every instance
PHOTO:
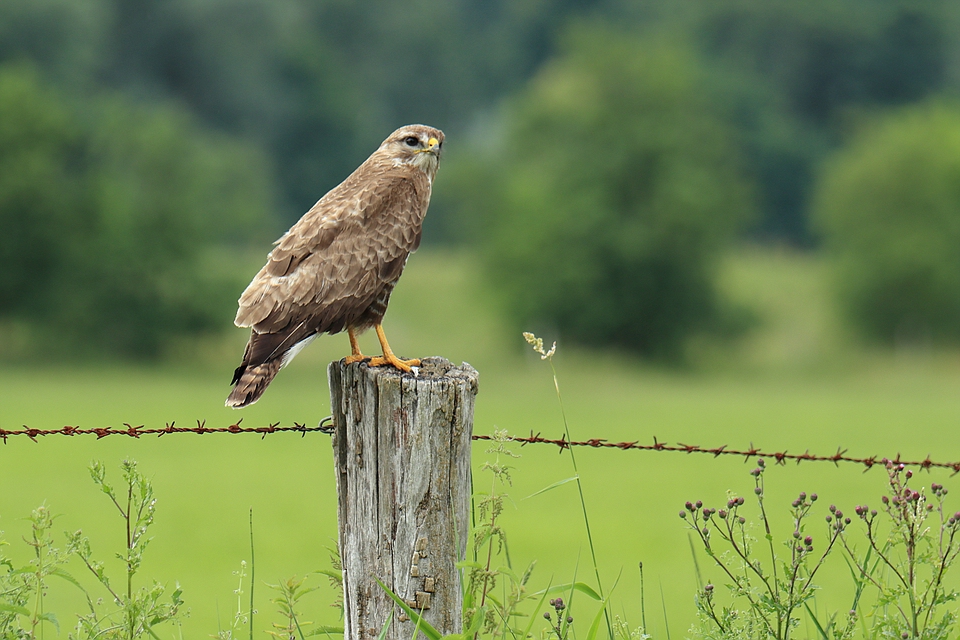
(537, 344)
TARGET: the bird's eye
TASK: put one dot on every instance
(412, 141)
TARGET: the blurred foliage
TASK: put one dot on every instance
(791, 73)
(888, 206)
(614, 187)
(108, 219)
(305, 90)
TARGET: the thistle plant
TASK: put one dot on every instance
(907, 567)
(775, 589)
(564, 622)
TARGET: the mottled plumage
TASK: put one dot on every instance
(336, 267)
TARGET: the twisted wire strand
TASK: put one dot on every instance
(326, 426)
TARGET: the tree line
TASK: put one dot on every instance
(604, 153)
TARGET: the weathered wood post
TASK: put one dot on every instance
(402, 451)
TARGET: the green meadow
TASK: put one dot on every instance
(794, 382)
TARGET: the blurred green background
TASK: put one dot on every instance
(740, 220)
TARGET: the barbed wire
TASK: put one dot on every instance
(326, 426)
(780, 457)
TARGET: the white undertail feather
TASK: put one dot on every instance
(295, 349)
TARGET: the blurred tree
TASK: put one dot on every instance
(108, 223)
(791, 72)
(614, 187)
(40, 145)
(888, 207)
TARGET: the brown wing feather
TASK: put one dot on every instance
(332, 264)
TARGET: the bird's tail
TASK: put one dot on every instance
(251, 382)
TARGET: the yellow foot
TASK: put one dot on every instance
(394, 361)
(357, 357)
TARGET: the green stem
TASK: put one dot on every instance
(583, 503)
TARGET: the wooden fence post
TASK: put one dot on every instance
(402, 452)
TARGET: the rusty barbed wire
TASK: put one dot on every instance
(780, 457)
(326, 426)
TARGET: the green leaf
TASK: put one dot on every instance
(579, 586)
(386, 626)
(14, 609)
(60, 573)
(327, 630)
(52, 619)
(553, 486)
(595, 625)
(816, 623)
(536, 612)
(425, 626)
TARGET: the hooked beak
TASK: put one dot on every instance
(433, 146)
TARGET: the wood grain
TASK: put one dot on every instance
(402, 452)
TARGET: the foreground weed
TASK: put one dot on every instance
(537, 344)
(773, 590)
(23, 589)
(484, 612)
(128, 613)
(909, 565)
(135, 612)
(242, 617)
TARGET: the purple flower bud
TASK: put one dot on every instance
(909, 474)
(795, 504)
(761, 462)
(699, 504)
(683, 514)
(546, 614)
(706, 531)
(915, 495)
(708, 588)
(758, 490)
(813, 497)
(689, 506)
(740, 500)
(796, 534)
(833, 508)
(846, 521)
(884, 499)
(829, 519)
(569, 619)
(803, 495)
(808, 540)
(873, 513)
(722, 514)
(741, 519)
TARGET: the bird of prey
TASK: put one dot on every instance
(336, 267)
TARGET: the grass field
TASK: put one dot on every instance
(795, 383)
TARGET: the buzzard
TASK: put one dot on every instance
(336, 267)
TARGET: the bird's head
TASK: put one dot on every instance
(417, 145)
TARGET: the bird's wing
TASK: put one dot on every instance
(336, 258)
